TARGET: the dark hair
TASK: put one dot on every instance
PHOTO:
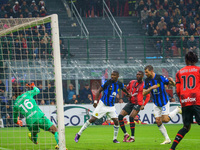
(149, 67)
(116, 72)
(191, 57)
(141, 72)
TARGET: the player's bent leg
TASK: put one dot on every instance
(121, 123)
(33, 137)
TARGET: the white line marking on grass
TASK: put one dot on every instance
(4, 148)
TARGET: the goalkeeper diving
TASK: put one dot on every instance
(26, 105)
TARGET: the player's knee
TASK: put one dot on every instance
(131, 119)
(120, 117)
(158, 121)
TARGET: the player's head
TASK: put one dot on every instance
(139, 75)
(114, 76)
(191, 58)
(148, 71)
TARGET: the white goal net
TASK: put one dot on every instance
(30, 53)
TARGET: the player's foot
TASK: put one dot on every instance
(179, 109)
(130, 140)
(115, 141)
(76, 139)
(57, 147)
(166, 142)
(29, 135)
(126, 137)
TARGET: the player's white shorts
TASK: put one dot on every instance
(159, 111)
(102, 109)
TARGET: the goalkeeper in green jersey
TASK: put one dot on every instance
(26, 105)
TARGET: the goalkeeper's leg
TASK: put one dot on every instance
(33, 137)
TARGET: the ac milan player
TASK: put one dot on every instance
(135, 88)
(187, 88)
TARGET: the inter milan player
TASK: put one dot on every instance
(132, 108)
(187, 88)
(155, 84)
(26, 105)
(106, 104)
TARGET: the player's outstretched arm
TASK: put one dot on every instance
(125, 91)
(35, 90)
(171, 81)
(147, 91)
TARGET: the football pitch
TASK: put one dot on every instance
(147, 137)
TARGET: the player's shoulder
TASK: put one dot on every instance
(119, 83)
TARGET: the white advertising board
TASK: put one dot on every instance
(76, 115)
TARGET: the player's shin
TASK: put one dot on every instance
(132, 126)
(121, 123)
(179, 136)
(116, 130)
(163, 131)
(87, 123)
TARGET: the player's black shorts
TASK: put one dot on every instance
(188, 112)
(129, 107)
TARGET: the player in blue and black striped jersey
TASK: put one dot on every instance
(106, 104)
(155, 84)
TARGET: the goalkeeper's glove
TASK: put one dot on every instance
(19, 122)
(30, 85)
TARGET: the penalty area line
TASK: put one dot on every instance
(4, 148)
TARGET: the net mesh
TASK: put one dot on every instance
(25, 57)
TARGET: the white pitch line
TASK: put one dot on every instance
(4, 148)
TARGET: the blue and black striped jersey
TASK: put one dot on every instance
(160, 97)
(111, 89)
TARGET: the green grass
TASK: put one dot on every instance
(147, 137)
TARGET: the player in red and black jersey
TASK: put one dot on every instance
(187, 88)
(135, 88)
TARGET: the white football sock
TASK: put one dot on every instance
(173, 113)
(87, 123)
(116, 129)
(163, 131)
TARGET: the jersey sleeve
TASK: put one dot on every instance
(146, 84)
(105, 85)
(147, 99)
(164, 80)
(34, 92)
(121, 85)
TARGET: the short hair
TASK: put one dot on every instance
(116, 72)
(141, 72)
(191, 57)
(149, 67)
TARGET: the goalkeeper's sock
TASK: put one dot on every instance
(34, 137)
(163, 131)
(132, 125)
(56, 137)
(179, 136)
(121, 123)
(116, 129)
(87, 123)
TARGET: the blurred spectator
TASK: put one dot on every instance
(151, 28)
(181, 28)
(42, 102)
(163, 32)
(181, 5)
(149, 17)
(191, 30)
(192, 44)
(168, 48)
(198, 30)
(184, 12)
(182, 46)
(161, 24)
(35, 11)
(190, 5)
(144, 15)
(189, 18)
(157, 4)
(33, 5)
(89, 99)
(166, 5)
(85, 92)
(2, 88)
(8, 7)
(157, 18)
(7, 115)
(162, 11)
(174, 48)
(49, 94)
(139, 8)
(41, 4)
(3, 11)
(43, 12)
(174, 31)
(74, 100)
(70, 92)
(16, 7)
(24, 6)
(40, 96)
(171, 24)
(166, 17)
